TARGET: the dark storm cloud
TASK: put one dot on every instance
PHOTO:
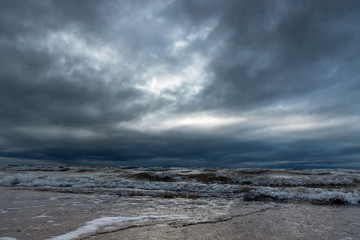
(274, 50)
(91, 81)
(35, 89)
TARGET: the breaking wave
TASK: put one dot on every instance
(315, 186)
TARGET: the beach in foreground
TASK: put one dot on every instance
(30, 214)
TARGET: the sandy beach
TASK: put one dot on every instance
(30, 214)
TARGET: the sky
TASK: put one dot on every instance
(235, 83)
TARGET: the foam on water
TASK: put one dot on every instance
(96, 224)
(314, 195)
(317, 186)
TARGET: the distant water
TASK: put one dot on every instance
(339, 186)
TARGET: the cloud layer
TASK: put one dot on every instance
(181, 83)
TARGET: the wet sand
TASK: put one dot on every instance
(28, 214)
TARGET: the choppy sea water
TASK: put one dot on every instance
(318, 186)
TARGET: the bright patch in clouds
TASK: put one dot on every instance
(161, 79)
(158, 123)
(180, 42)
(204, 121)
(70, 43)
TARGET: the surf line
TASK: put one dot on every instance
(93, 225)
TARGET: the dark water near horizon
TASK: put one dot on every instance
(318, 186)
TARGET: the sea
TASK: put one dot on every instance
(317, 186)
(73, 202)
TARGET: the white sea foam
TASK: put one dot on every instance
(94, 225)
(343, 185)
(311, 194)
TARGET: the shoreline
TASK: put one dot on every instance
(29, 214)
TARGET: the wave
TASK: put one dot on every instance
(315, 186)
(313, 195)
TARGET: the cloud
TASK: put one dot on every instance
(235, 83)
(280, 50)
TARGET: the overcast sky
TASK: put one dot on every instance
(254, 83)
